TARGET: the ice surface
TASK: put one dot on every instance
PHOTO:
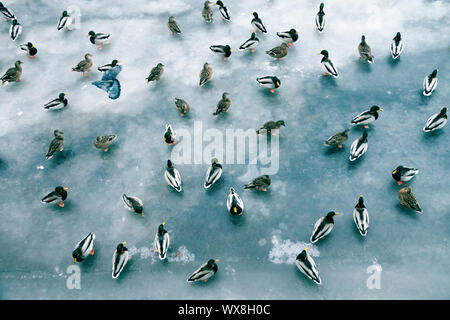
(256, 250)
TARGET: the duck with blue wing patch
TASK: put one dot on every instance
(109, 83)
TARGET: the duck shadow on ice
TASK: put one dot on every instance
(238, 221)
(424, 100)
(327, 81)
(393, 63)
(406, 211)
(363, 66)
(60, 157)
(3, 165)
(431, 136)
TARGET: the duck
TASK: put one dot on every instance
(278, 52)
(109, 83)
(213, 173)
(120, 259)
(133, 204)
(56, 145)
(338, 139)
(224, 50)
(366, 117)
(257, 23)
(361, 217)
(13, 74)
(409, 199)
(57, 103)
(320, 19)
(15, 30)
(364, 51)
(182, 106)
(223, 105)
(173, 25)
(224, 11)
(436, 121)
(430, 83)
(259, 183)
(156, 73)
(359, 147)
(289, 37)
(6, 12)
(397, 46)
(323, 226)
(108, 66)
(64, 21)
(205, 74)
(84, 65)
(162, 241)
(30, 49)
(328, 65)
(99, 38)
(59, 194)
(403, 174)
(173, 177)
(271, 82)
(103, 142)
(307, 266)
(206, 271)
(169, 135)
(207, 12)
(250, 43)
(271, 125)
(235, 205)
(84, 248)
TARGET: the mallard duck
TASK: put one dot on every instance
(170, 135)
(205, 74)
(366, 117)
(361, 216)
(320, 19)
(173, 177)
(64, 21)
(109, 83)
(397, 46)
(206, 271)
(403, 174)
(13, 74)
(119, 259)
(225, 50)
(156, 73)
(173, 26)
(270, 82)
(213, 173)
(271, 125)
(15, 30)
(84, 65)
(323, 226)
(328, 65)
(259, 183)
(288, 36)
(6, 12)
(359, 147)
(60, 194)
(307, 266)
(84, 248)
(257, 23)
(409, 199)
(99, 38)
(250, 43)
(162, 241)
(224, 104)
(103, 142)
(224, 11)
(108, 66)
(364, 51)
(207, 12)
(182, 106)
(30, 49)
(278, 52)
(430, 83)
(133, 204)
(57, 144)
(235, 205)
(57, 103)
(338, 139)
(436, 121)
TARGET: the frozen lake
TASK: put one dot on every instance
(256, 250)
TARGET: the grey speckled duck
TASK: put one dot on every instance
(364, 51)
(279, 52)
(173, 25)
(13, 74)
(271, 125)
(156, 73)
(56, 145)
(205, 74)
(224, 104)
(84, 65)
(259, 183)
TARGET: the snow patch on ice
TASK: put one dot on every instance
(182, 254)
(285, 251)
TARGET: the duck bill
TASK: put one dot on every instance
(217, 260)
(66, 189)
